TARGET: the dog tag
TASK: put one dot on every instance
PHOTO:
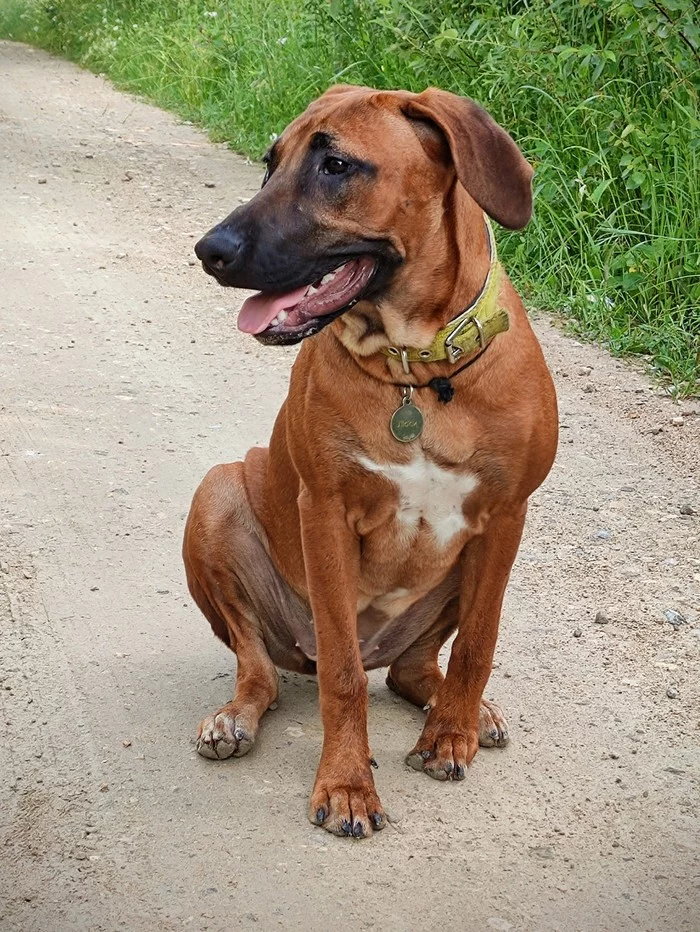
(407, 421)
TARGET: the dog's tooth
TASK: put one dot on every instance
(328, 278)
(310, 291)
(282, 316)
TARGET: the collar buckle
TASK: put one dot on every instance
(453, 352)
(456, 352)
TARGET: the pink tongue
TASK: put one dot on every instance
(258, 312)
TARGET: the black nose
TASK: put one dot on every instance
(220, 248)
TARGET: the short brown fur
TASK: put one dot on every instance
(298, 556)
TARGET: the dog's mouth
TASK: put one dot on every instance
(288, 317)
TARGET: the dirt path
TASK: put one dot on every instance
(122, 379)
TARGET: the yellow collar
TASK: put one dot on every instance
(471, 330)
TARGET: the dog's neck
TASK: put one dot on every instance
(449, 266)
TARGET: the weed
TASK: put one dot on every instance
(602, 96)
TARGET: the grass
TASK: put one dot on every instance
(602, 95)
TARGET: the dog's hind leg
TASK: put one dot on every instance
(219, 544)
(232, 729)
(416, 676)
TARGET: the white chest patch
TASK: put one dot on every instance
(428, 492)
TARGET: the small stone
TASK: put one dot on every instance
(4, 567)
(687, 509)
(120, 255)
(209, 184)
(677, 421)
(584, 370)
(126, 743)
(601, 619)
(27, 574)
(589, 387)
(128, 176)
(41, 181)
(104, 787)
(545, 852)
(674, 618)
(602, 534)
(672, 692)
(577, 632)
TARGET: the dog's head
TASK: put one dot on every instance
(360, 188)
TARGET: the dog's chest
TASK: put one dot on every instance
(430, 497)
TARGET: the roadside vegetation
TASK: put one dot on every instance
(602, 96)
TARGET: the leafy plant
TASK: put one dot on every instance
(602, 95)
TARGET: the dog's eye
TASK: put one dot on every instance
(334, 166)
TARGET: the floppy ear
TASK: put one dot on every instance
(488, 163)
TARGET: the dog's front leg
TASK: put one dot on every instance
(344, 800)
(450, 737)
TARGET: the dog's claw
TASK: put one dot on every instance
(320, 816)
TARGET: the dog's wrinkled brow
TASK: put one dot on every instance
(321, 141)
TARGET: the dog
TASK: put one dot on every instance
(387, 512)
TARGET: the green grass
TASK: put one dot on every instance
(602, 95)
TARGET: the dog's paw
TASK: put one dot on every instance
(227, 733)
(445, 749)
(493, 727)
(443, 755)
(346, 808)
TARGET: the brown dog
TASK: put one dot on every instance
(382, 518)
